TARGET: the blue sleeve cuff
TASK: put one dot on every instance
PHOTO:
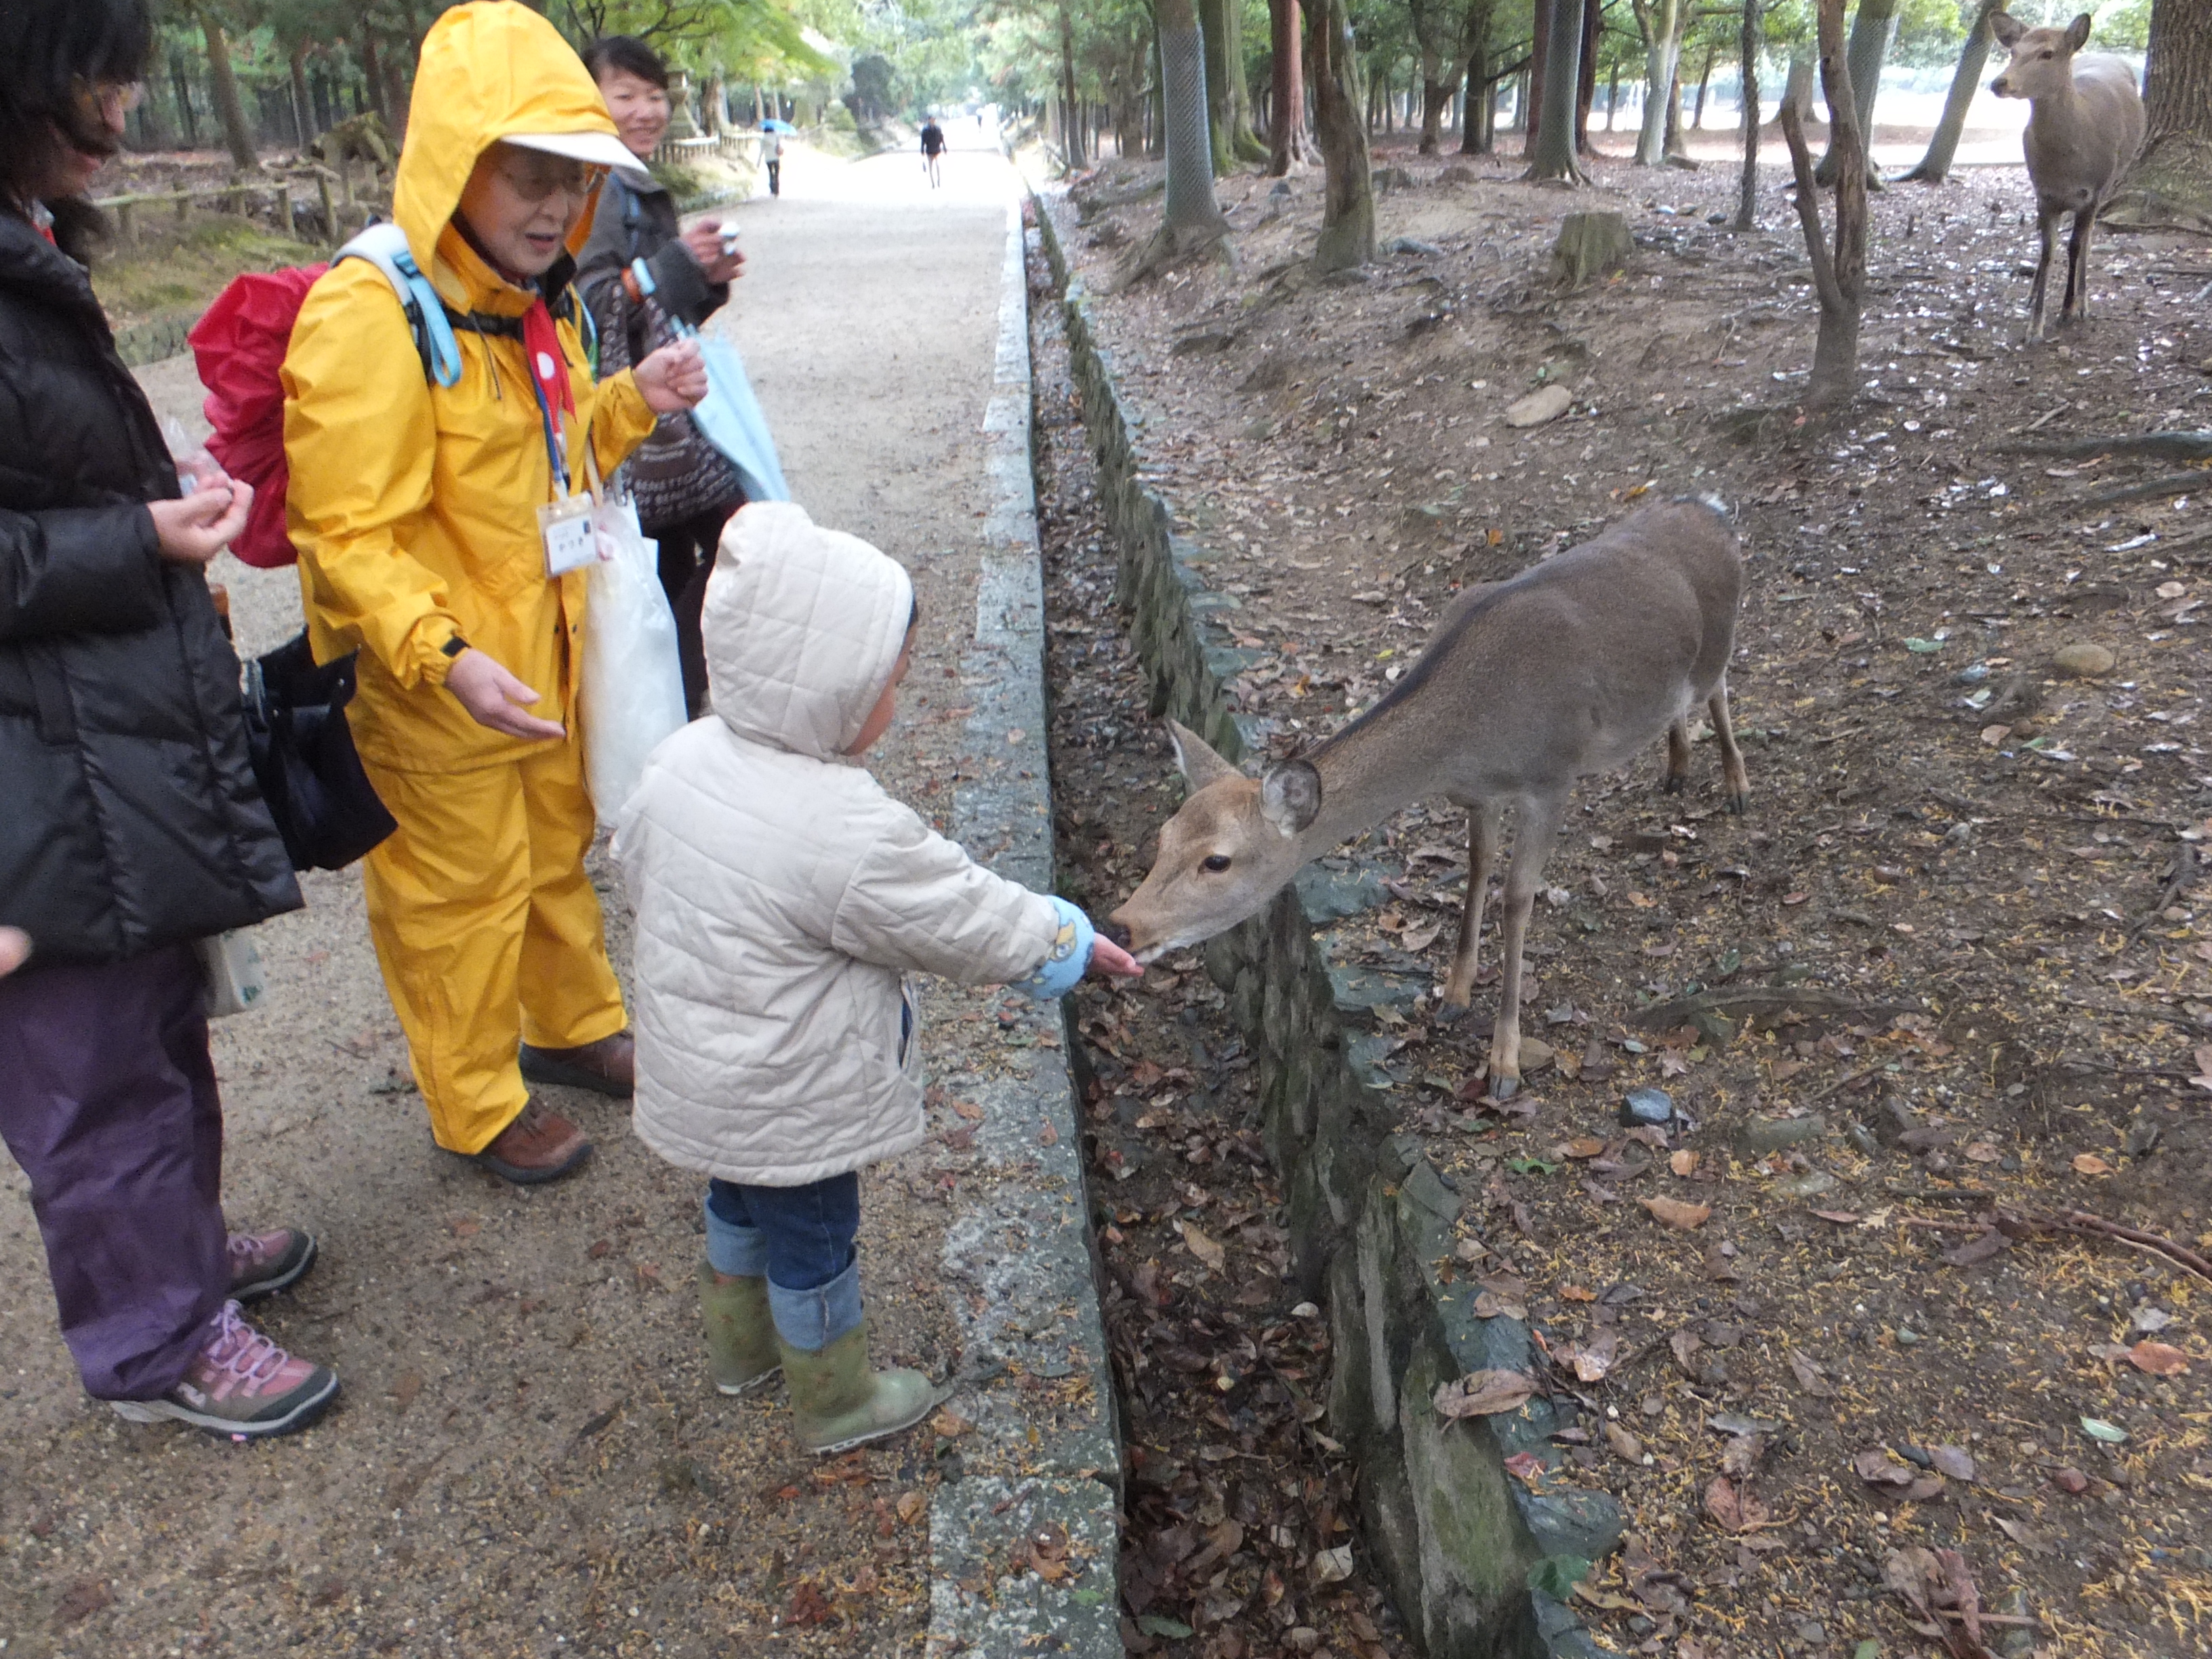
(1067, 960)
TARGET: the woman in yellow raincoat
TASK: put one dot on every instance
(416, 507)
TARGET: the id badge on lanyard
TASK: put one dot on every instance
(565, 524)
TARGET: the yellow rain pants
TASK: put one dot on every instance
(414, 507)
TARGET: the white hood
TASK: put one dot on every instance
(802, 628)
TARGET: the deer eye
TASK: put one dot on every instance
(1217, 864)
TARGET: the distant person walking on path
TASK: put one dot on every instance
(772, 154)
(133, 825)
(439, 534)
(932, 146)
(685, 488)
(782, 898)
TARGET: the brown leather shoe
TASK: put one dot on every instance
(539, 1146)
(608, 1066)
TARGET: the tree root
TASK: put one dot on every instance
(2016, 1224)
(2169, 483)
(2164, 446)
(1168, 247)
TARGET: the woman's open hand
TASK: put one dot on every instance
(494, 698)
(673, 378)
(194, 529)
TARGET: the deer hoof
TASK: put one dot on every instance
(1504, 1088)
(1448, 1011)
(1673, 784)
(1739, 804)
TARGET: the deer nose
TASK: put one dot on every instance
(1117, 933)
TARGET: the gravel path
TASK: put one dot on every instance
(527, 1458)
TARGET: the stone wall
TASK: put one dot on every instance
(1453, 1534)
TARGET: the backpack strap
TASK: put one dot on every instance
(386, 247)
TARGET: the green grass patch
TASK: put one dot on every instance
(173, 270)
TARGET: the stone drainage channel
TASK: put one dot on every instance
(1453, 1536)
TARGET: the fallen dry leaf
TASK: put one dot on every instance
(2090, 1163)
(1577, 1293)
(1683, 1163)
(968, 1110)
(1873, 1465)
(2157, 1360)
(1685, 1345)
(1624, 1445)
(1675, 1214)
(1482, 1394)
(1734, 1507)
(1841, 1217)
(1954, 1460)
(1202, 1247)
(1592, 1361)
(1809, 1377)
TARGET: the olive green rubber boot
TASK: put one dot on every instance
(741, 1347)
(839, 1403)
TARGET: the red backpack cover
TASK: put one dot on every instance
(240, 345)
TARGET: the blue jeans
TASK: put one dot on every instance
(800, 1240)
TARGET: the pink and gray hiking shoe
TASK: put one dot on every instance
(262, 1264)
(241, 1384)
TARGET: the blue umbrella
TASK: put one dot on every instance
(772, 124)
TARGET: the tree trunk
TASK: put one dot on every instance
(1474, 49)
(303, 101)
(1539, 57)
(1612, 95)
(1973, 57)
(1071, 137)
(1586, 83)
(1838, 276)
(1704, 79)
(160, 133)
(371, 69)
(1287, 121)
(2171, 188)
(1193, 218)
(1873, 26)
(1551, 150)
(1233, 99)
(1213, 26)
(1673, 113)
(1347, 225)
(237, 137)
(1663, 21)
(1749, 42)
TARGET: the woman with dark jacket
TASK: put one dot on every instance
(132, 826)
(685, 488)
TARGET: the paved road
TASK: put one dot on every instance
(527, 1458)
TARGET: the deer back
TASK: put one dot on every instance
(1570, 668)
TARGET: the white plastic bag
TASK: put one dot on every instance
(236, 979)
(632, 694)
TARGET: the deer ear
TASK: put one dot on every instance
(2077, 33)
(2007, 28)
(1290, 797)
(1200, 765)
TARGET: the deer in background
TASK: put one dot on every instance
(2083, 130)
(1570, 668)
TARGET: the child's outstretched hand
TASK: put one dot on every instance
(1109, 960)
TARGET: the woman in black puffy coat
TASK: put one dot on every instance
(686, 489)
(132, 826)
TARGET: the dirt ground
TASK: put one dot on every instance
(1955, 957)
(527, 1458)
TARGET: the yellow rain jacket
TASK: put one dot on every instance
(414, 505)
(415, 509)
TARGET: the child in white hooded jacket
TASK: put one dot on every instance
(782, 898)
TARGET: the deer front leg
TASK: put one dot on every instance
(1535, 826)
(1739, 784)
(2077, 265)
(1678, 757)
(1482, 821)
(2047, 223)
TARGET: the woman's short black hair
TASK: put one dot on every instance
(627, 53)
(51, 50)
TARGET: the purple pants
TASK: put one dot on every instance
(107, 1099)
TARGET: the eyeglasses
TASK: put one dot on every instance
(109, 100)
(534, 178)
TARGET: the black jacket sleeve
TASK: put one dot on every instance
(79, 570)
